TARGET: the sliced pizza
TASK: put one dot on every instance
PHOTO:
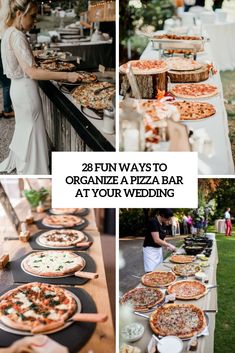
(52, 263)
(187, 290)
(186, 270)
(37, 307)
(158, 279)
(181, 320)
(194, 110)
(194, 90)
(142, 299)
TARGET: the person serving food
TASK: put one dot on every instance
(28, 148)
(155, 240)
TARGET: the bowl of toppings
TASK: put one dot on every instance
(132, 332)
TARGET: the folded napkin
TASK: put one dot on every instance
(35, 344)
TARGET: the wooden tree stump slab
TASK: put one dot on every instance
(148, 85)
(199, 75)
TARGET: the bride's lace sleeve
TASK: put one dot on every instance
(22, 50)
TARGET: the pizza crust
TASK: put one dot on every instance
(168, 310)
(40, 263)
(200, 287)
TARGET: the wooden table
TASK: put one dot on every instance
(103, 336)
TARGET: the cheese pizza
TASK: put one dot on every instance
(158, 279)
(51, 263)
(182, 259)
(142, 299)
(183, 64)
(187, 290)
(194, 90)
(194, 110)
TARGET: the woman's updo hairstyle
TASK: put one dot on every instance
(18, 5)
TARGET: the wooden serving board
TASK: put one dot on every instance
(199, 75)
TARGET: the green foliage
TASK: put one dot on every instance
(34, 197)
(132, 222)
(81, 6)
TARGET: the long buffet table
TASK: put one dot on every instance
(68, 127)
(221, 162)
(103, 335)
(208, 302)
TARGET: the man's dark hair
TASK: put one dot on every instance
(166, 212)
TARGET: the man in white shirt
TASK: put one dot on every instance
(228, 223)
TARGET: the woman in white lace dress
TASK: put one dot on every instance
(28, 148)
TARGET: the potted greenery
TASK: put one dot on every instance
(35, 197)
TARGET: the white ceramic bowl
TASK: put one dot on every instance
(200, 275)
(132, 332)
(170, 344)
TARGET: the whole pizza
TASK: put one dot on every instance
(158, 279)
(59, 211)
(52, 65)
(194, 110)
(142, 299)
(182, 259)
(186, 270)
(60, 238)
(194, 90)
(61, 221)
(36, 307)
(145, 67)
(187, 290)
(96, 95)
(181, 320)
(52, 263)
(183, 64)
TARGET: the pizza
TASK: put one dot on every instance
(62, 221)
(187, 290)
(194, 90)
(176, 37)
(145, 67)
(181, 320)
(186, 270)
(158, 279)
(183, 64)
(52, 65)
(59, 211)
(182, 259)
(83, 77)
(36, 307)
(51, 263)
(60, 238)
(96, 95)
(194, 110)
(142, 299)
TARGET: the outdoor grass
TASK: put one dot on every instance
(225, 318)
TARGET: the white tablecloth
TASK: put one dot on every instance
(222, 39)
(221, 163)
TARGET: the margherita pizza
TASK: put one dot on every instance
(145, 67)
(142, 299)
(158, 279)
(182, 259)
(52, 263)
(194, 90)
(181, 320)
(96, 95)
(60, 238)
(186, 270)
(187, 290)
(36, 307)
(183, 64)
(62, 221)
(194, 110)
